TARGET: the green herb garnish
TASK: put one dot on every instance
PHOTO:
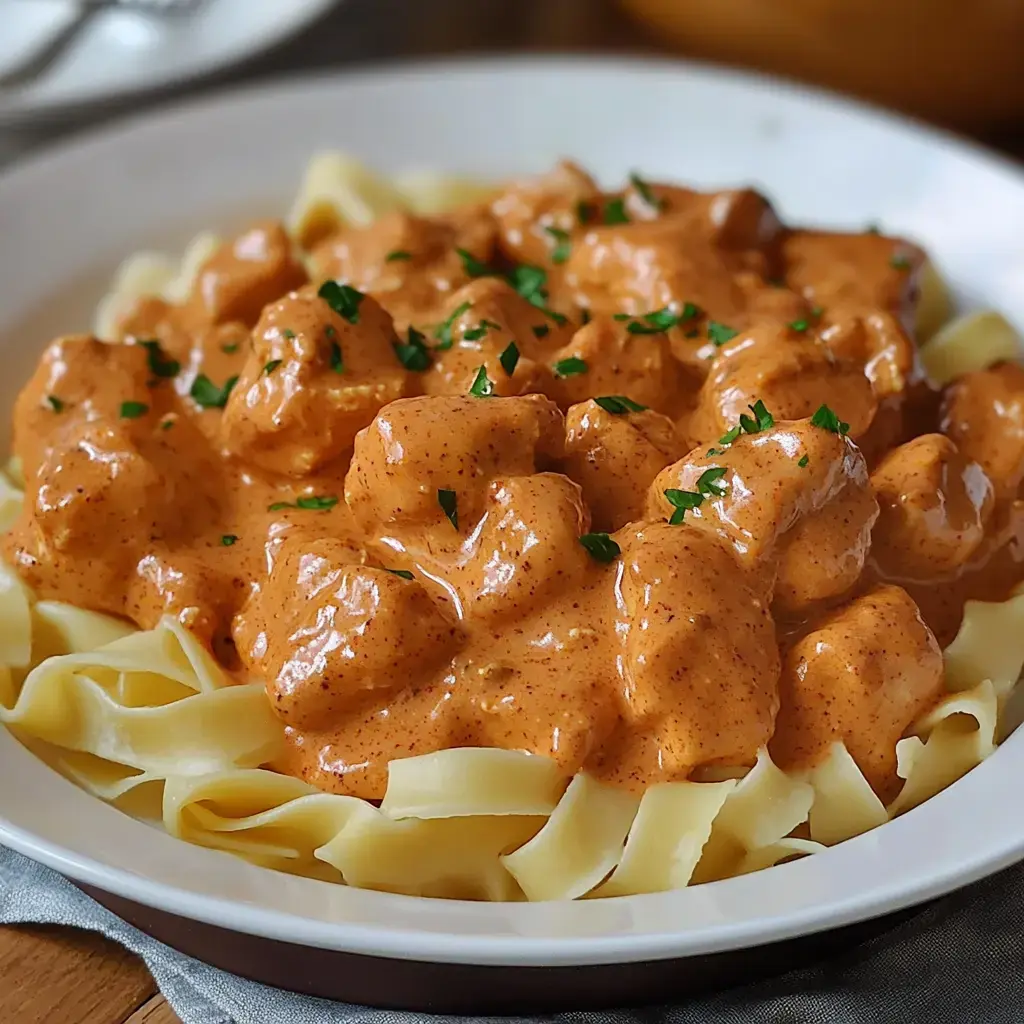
(600, 547)
(803, 461)
(443, 332)
(763, 419)
(541, 331)
(207, 395)
(288, 334)
(449, 505)
(310, 502)
(719, 334)
(573, 366)
(337, 363)
(343, 299)
(584, 211)
(396, 255)
(481, 329)
(563, 245)
(56, 404)
(730, 435)
(619, 404)
(509, 358)
(401, 573)
(800, 326)
(228, 539)
(530, 282)
(270, 367)
(133, 410)
(482, 386)
(708, 481)
(474, 267)
(828, 420)
(682, 502)
(645, 193)
(899, 262)
(414, 354)
(615, 212)
(159, 364)
(230, 349)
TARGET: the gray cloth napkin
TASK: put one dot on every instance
(959, 961)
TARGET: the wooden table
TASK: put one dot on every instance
(63, 976)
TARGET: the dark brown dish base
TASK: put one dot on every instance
(472, 989)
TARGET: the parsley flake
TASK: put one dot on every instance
(584, 211)
(618, 405)
(800, 326)
(481, 329)
(899, 262)
(55, 403)
(133, 410)
(763, 419)
(288, 334)
(615, 212)
(531, 283)
(730, 435)
(682, 502)
(562, 249)
(401, 573)
(443, 332)
(228, 539)
(509, 358)
(414, 354)
(828, 420)
(270, 367)
(397, 255)
(600, 547)
(708, 484)
(230, 349)
(482, 386)
(572, 366)
(207, 395)
(719, 334)
(343, 299)
(159, 364)
(803, 461)
(474, 267)
(644, 191)
(309, 502)
(449, 505)
(541, 331)
(337, 363)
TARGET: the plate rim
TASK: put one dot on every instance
(491, 949)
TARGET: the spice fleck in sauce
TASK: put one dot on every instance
(640, 481)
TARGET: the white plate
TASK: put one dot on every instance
(121, 53)
(69, 215)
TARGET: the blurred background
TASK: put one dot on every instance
(65, 64)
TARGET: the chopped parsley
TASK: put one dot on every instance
(600, 547)
(531, 283)
(730, 435)
(397, 255)
(763, 419)
(443, 332)
(270, 367)
(288, 334)
(207, 395)
(133, 410)
(719, 334)
(509, 358)
(563, 245)
(401, 573)
(449, 505)
(800, 326)
(482, 386)
(708, 484)
(343, 299)
(817, 312)
(167, 424)
(481, 329)
(56, 404)
(414, 354)
(230, 349)
(310, 502)
(803, 461)
(644, 191)
(584, 211)
(682, 502)
(874, 228)
(336, 361)
(541, 331)
(618, 405)
(572, 366)
(159, 364)
(828, 420)
(899, 262)
(658, 321)
(615, 212)
(474, 267)
(228, 539)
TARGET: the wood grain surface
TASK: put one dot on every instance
(65, 976)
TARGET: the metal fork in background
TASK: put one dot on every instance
(46, 56)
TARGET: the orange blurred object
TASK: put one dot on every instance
(947, 60)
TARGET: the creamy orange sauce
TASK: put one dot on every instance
(372, 494)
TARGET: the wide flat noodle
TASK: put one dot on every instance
(427, 193)
(844, 805)
(580, 844)
(667, 837)
(15, 620)
(972, 342)
(465, 781)
(961, 733)
(989, 645)
(769, 856)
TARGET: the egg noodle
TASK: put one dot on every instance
(148, 720)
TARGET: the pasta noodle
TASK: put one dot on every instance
(148, 719)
